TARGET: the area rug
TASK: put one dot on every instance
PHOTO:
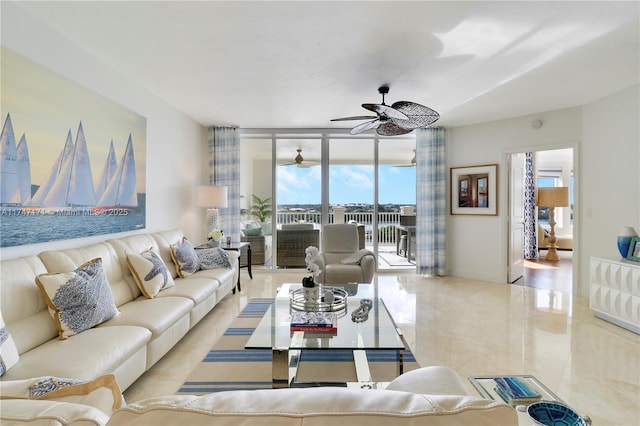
(228, 366)
(393, 259)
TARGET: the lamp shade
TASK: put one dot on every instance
(211, 196)
(553, 197)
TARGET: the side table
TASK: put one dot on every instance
(485, 385)
(235, 246)
(238, 246)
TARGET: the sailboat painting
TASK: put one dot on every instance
(72, 163)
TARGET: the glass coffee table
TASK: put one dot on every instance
(378, 332)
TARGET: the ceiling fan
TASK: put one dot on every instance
(412, 163)
(399, 118)
(299, 161)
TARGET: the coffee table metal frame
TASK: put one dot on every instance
(378, 332)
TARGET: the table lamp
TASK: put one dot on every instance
(552, 198)
(213, 198)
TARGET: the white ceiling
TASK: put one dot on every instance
(299, 64)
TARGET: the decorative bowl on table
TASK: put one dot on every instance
(554, 413)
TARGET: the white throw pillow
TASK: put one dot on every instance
(78, 300)
(149, 272)
(8, 352)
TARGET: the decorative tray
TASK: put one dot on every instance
(338, 304)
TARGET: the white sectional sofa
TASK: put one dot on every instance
(426, 396)
(126, 345)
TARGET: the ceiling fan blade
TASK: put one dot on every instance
(389, 128)
(360, 117)
(418, 115)
(365, 126)
(385, 111)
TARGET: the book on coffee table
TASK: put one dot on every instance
(515, 392)
(316, 322)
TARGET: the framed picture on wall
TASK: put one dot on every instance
(634, 249)
(474, 190)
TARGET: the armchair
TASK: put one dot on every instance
(292, 241)
(341, 260)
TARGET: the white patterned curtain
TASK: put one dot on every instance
(224, 170)
(530, 222)
(431, 202)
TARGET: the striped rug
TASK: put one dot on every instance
(230, 367)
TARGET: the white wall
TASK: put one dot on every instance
(606, 141)
(174, 141)
(610, 173)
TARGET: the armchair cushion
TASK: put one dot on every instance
(355, 258)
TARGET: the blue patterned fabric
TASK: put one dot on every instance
(149, 272)
(50, 384)
(529, 195)
(8, 351)
(185, 258)
(214, 258)
(224, 162)
(78, 300)
(431, 201)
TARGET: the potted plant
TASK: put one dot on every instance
(261, 208)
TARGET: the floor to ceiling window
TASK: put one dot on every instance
(317, 177)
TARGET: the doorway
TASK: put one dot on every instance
(555, 168)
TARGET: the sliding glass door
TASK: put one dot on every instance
(319, 177)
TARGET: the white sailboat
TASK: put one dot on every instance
(121, 191)
(24, 171)
(43, 190)
(74, 186)
(9, 179)
(109, 170)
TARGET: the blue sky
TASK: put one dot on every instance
(348, 184)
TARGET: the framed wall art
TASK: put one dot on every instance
(73, 162)
(474, 190)
(634, 249)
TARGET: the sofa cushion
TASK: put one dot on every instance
(86, 355)
(50, 413)
(214, 258)
(8, 352)
(185, 258)
(316, 406)
(78, 300)
(102, 393)
(149, 272)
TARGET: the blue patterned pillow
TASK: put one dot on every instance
(214, 258)
(185, 258)
(78, 300)
(102, 393)
(8, 351)
(149, 272)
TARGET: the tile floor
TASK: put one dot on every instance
(475, 327)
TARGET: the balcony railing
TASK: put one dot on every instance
(386, 223)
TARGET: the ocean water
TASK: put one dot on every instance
(19, 228)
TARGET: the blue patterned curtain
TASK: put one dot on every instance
(431, 202)
(224, 170)
(530, 239)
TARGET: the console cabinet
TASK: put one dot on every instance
(615, 291)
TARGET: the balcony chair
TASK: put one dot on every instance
(341, 260)
(292, 241)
